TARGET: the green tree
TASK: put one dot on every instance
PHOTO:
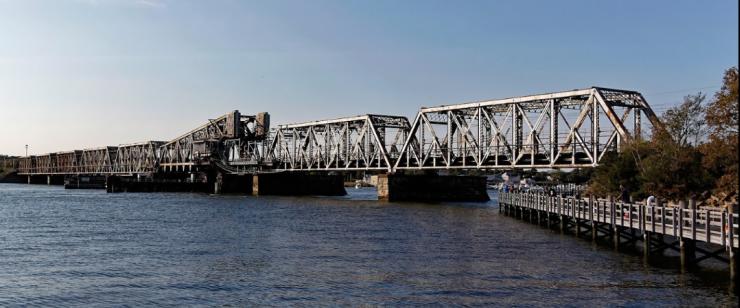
(621, 169)
(672, 171)
(685, 123)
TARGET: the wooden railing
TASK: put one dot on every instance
(716, 226)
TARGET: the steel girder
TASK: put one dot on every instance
(355, 143)
(568, 129)
(9, 162)
(137, 158)
(124, 159)
(199, 145)
(196, 147)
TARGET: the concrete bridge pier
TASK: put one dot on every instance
(85, 182)
(401, 187)
(41, 179)
(297, 184)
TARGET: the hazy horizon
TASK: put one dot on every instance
(79, 74)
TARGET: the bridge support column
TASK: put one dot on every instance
(734, 264)
(616, 237)
(646, 245)
(218, 183)
(298, 184)
(400, 187)
(688, 252)
(29, 179)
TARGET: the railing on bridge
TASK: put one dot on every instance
(715, 226)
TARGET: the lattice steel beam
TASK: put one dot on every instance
(355, 143)
(555, 130)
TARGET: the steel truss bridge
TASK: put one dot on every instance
(570, 129)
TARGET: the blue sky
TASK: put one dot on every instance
(86, 73)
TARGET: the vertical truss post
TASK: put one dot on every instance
(481, 142)
(516, 131)
(638, 124)
(554, 111)
(595, 132)
(449, 137)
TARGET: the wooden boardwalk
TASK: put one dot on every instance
(658, 227)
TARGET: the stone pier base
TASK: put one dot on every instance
(431, 188)
(116, 184)
(84, 182)
(297, 184)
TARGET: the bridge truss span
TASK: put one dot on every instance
(568, 129)
(366, 142)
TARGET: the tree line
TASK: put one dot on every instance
(693, 154)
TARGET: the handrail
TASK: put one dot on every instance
(716, 226)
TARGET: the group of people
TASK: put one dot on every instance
(624, 193)
(511, 188)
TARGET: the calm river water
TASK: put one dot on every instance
(86, 247)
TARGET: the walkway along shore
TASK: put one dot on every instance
(657, 227)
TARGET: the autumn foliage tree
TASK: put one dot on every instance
(680, 160)
(720, 152)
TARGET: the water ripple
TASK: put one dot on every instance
(88, 248)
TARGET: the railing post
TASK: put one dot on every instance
(734, 253)
(615, 228)
(708, 224)
(576, 214)
(662, 213)
(681, 206)
(723, 228)
(591, 216)
(687, 246)
(692, 205)
(539, 209)
(652, 218)
(676, 225)
(560, 211)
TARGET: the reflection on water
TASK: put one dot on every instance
(73, 247)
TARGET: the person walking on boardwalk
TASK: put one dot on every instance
(650, 200)
(625, 194)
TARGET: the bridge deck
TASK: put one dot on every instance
(568, 129)
(703, 225)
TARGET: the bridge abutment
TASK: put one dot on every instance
(400, 187)
(297, 184)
